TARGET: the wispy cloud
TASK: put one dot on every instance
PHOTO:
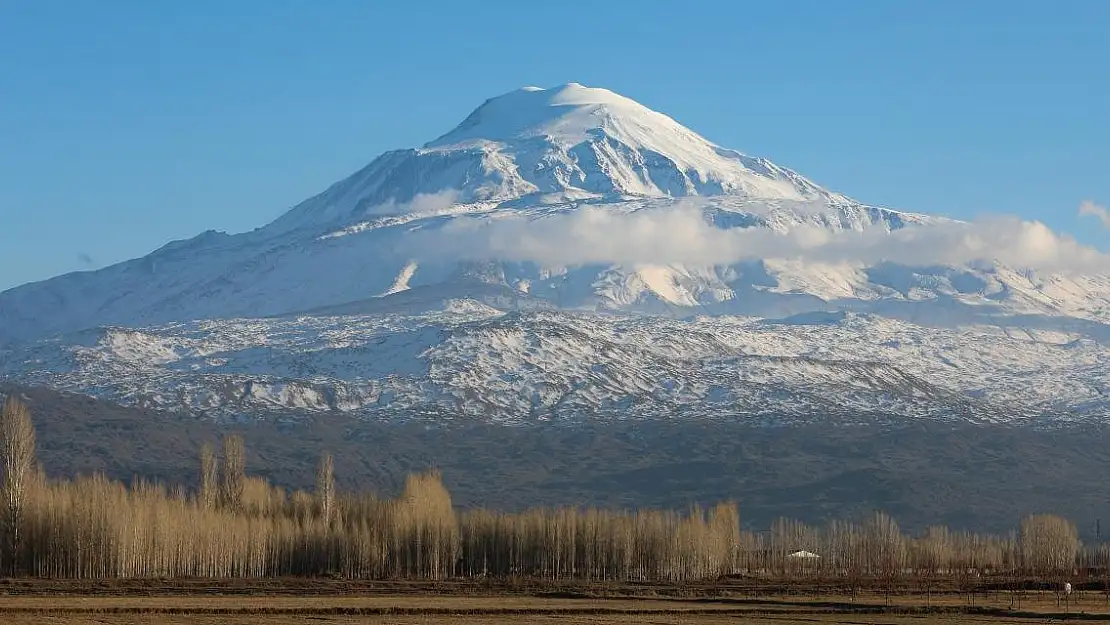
(1089, 209)
(597, 235)
(421, 204)
(85, 259)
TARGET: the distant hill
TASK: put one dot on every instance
(974, 476)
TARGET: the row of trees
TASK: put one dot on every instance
(235, 525)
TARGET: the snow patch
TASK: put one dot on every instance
(663, 281)
(401, 282)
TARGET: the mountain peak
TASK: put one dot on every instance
(567, 114)
(541, 146)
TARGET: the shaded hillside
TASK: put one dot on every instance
(981, 477)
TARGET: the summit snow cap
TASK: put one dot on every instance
(567, 113)
(536, 146)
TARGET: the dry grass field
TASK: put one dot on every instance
(307, 601)
(630, 619)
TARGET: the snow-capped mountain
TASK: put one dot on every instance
(568, 253)
(543, 146)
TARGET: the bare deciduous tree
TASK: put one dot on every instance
(239, 526)
(234, 471)
(1048, 544)
(17, 436)
(325, 488)
(209, 477)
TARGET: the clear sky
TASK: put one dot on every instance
(124, 125)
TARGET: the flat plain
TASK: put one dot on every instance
(198, 602)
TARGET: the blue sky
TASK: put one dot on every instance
(128, 124)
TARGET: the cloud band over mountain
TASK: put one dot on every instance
(683, 235)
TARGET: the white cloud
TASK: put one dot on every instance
(1089, 208)
(421, 204)
(599, 235)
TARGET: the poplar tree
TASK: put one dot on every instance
(325, 489)
(17, 437)
(234, 472)
(209, 477)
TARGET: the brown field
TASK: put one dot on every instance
(23, 602)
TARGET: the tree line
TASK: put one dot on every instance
(237, 525)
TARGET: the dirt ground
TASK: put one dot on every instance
(631, 619)
(196, 602)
